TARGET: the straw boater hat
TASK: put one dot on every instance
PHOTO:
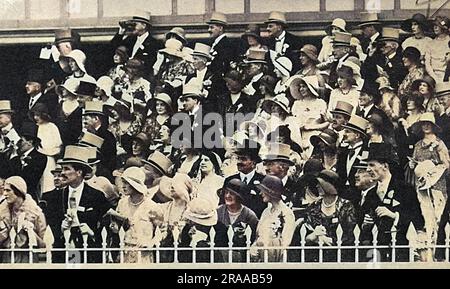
(93, 108)
(256, 55)
(79, 57)
(203, 50)
(173, 47)
(442, 89)
(63, 35)
(201, 211)
(179, 34)
(76, 155)
(389, 34)
(272, 186)
(342, 39)
(218, 18)
(136, 178)
(311, 82)
(191, 90)
(279, 152)
(91, 140)
(357, 124)
(5, 106)
(92, 153)
(343, 108)
(369, 18)
(281, 100)
(276, 17)
(144, 17)
(160, 162)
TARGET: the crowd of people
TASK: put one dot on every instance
(267, 138)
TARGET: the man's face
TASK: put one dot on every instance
(274, 29)
(365, 99)
(351, 137)
(58, 180)
(5, 119)
(276, 168)
(368, 31)
(376, 170)
(338, 121)
(444, 101)
(252, 69)
(234, 86)
(188, 103)
(24, 145)
(215, 30)
(339, 51)
(32, 88)
(245, 164)
(363, 180)
(64, 48)
(90, 121)
(387, 48)
(70, 176)
(140, 28)
(199, 62)
(151, 174)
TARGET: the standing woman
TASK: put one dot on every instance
(51, 143)
(20, 212)
(324, 216)
(426, 87)
(277, 224)
(140, 216)
(69, 115)
(418, 25)
(411, 61)
(435, 61)
(211, 179)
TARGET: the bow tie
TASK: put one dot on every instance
(279, 39)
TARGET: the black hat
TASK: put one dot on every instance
(249, 148)
(420, 19)
(29, 130)
(371, 88)
(382, 152)
(237, 187)
(327, 136)
(412, 54)
(86, 88)
(37, 75)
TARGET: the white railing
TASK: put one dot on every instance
(291, 254)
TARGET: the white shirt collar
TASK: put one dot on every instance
(217, 40)
(366, 109)
(79, 191)
(257, 77)
(235, 97)
(194, 111)
(25, 154)
(281, 37)
(142, 37)
(284, 180)
(392, 55)
(36, 97)
(356, 145)
(249, 176)
(7, 128)
(374, 37)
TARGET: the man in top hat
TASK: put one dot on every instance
(352, 151)
(91, 140)
(89, 204)
(392, 62)
(253, 67)
(391, 204)
(341, 52)
(340, 117)
(248, 157)
(8, 134)
(156, 167)
(281, 42)
(94, 122)
(141, 44)
(28, 163)
(443, 121)
(277, 162)
(223, 52)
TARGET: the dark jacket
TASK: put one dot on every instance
(292, 52)
(395, 69)
(70, 126)
(223, 54)
(348, 178)
(108, 150)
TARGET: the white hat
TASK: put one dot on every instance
(106, 84)
(284, 65)
(136, 178)
(79, 57)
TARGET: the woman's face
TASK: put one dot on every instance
(320, 190)
(303, 89)
(438, 30)
(265, 197)
(206, 166)
(263, 89)
(304, 59)
(343, 83)
(38, 119)
(252, 41)
(416, 28)
(117, 59)
(427, 127)
(278, 73)
(406, 62)
(127, 188)
(114, 114)
(230, 199)
(73, 65)
(8, 192)
(137, 148)
(371, 129)
(424, 89)
(411, 105)
(277, 110)
(164, 133)
(161, 108)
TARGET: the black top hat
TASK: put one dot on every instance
(252, 30)
(37, 75)
(29, 130)
(86, 88)
(249, 148)
(420, 19)
(382, 152)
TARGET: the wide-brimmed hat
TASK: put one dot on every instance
(30, 131)
(443, 22)
(328, 136)
(93, 108)
(218, 18)
(256, 55)
(344, 108)
(339, 23)
(79, 57)
(5, 106)
(329, 181)
(279, 152)
(311, 82)
(179, 34)
(428, 174)
(40, 109)
(371, 89)
(91, 140)
(165, 98)
(202, 49)
(442, 89)
(310, 51)
(283, 64)
(412, 53)
(249, 148)
(136, 178)
(281, 100)
(369, 18)
(429, 117)
(389, 34)
(272, 186)
(277, 17)
(381, 152)
(173, 47)
(201, 211)
(342, 39)
(76, 155)
(357, 124)
(428, 80)
(144, 17)
(19, 183)
(160, 162)
(106, 84)
(252, 30)
(71, 85)
(237, 187)
(420, 19)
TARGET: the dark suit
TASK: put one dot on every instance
(443, 122)
(245, 104)
(93, 206)
(223, 54)
(347, 177)
(108, 150)
(395, 69)
(253, 200)
(387, 124)
(292, 52)
(50, 99)
(147, 52)
(31, 172)
(369, 70)
(70, 126)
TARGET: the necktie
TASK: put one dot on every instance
(351, 153)
(245, 181)
(31, 102)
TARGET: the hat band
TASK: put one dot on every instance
(157, 166)
(340, 111)
(356, 128)
(198, 216)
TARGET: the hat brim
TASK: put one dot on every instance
(137, 186)
(327, 187)
(78, 162)
(80, 65)
(262, 188)
(279, 159)
(340, 112)
(277, 21)
(156, 166)
(369, 23)
(406, 25)
(436, 127)
(355, 129)
(145, 21)
(6, 111)
(201, 55)
(267, 101)
(209, 221)
(178, 36)
(254, 61)
(217, 22)
(314, 140)
(172, 52)
(91, 112)
(311, 56)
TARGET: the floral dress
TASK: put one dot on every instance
(405, 87)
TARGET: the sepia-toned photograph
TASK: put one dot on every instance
(224, 134)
